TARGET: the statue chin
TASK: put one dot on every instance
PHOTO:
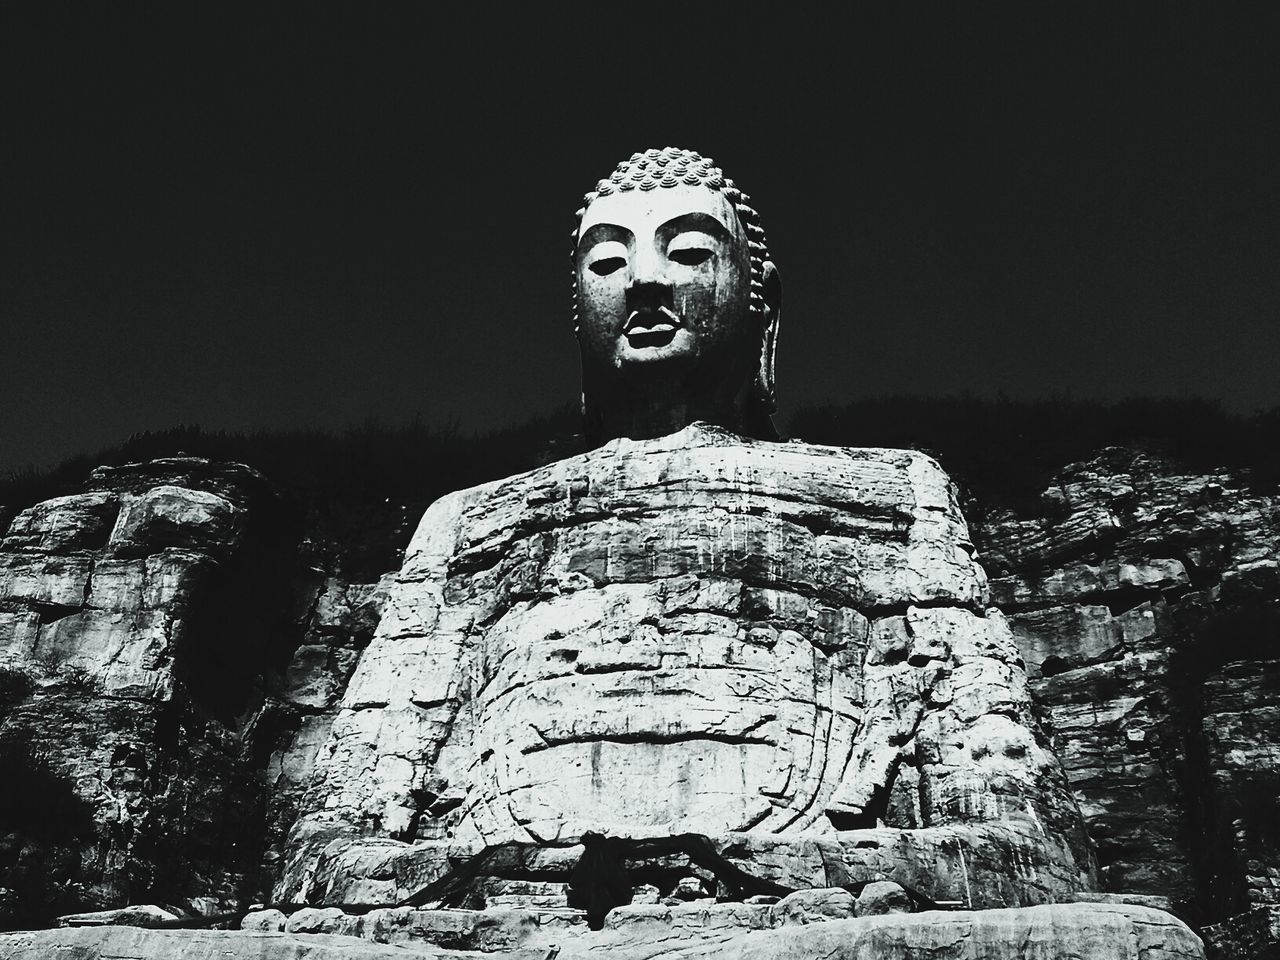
(648, 394)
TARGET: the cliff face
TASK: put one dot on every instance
(165, 657)
(699, 634)
(1146, 601)
(136, 621)
(171, 660)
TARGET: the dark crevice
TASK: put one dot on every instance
(1117, 600)
(49, 613)
(1214, 811)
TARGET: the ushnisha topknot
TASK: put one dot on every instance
(669, 167)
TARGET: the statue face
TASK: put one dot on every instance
(664, 279)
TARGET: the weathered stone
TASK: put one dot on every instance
(79, 522)
(141, 915)
(786, 649)
(313, 920)
(1147, 662)
(125, 943)
(45, 581)
(691, 888)
(264, 920)
(679, 323)
(1153, 901)
(1062, 932)
(172, 516)
(708, 671)
(140, 649)
(1085, 581)
(337, 620)
(684, 632)
(1053, 639)
(349, 612)
(1252, 934)
(317, 675)
(880, 897)
(813, 906)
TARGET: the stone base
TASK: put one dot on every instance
(976, 867)
(135, 943)
(1078, 931)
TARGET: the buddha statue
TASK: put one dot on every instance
(692, 628)
(676, 302)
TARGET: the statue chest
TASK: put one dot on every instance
(672, 639)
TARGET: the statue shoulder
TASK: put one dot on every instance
(884, 474)
(441, 525)
(903, 457)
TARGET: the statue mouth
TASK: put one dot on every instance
(651, 328)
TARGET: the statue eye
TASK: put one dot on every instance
(607, 265)
(690, 256)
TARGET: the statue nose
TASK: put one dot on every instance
(647, 268)
(648, 295)
(649, 288)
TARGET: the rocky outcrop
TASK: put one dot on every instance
(168, 668)
(1253, 934)
(337, 622)
(1145, 601)
(136, 620)
(170, 664)
(1064, 932)
(696, 634)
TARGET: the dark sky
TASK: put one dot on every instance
(271, 216)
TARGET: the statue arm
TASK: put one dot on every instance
(952, 789)
(950, 751)
(371, 775)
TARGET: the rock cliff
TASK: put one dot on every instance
(136, 620)
(696, 634)
(166, 657)
(1146, 601)
(172, 658)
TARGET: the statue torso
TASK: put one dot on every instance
(657, 636)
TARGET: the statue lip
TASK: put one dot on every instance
(652, 328)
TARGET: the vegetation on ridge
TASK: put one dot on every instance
(366, 487)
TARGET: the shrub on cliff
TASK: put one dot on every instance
(42, 821)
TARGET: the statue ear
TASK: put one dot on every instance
(772, 293)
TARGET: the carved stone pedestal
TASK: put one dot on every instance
(717, 930)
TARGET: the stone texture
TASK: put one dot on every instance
(1246, 936)
(1142, 597)
(264, 921)
(337, 620)
(697, 633)
(880, 897)
(124, 943)
(135, 622)
(813, 906)
(144, 915)
(1063, 932)
(662, 345)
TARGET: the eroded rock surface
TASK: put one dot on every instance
(1145, 601)
(135, 622)
(1142, 598)
(1062, 932)
(337, 618)
(702, 634)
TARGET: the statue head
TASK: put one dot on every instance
(676, 302)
